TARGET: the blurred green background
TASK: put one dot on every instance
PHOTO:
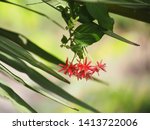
(128, 67)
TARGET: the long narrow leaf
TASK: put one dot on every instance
(42, 81)
(34, 11)
(100, 81)
(20, 104)
(8, 2)
(114, 35)
(37, 90)
(29, 45)
(12, 48)
(132, 9)
(125, 2)
(131, 12)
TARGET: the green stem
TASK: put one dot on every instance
(74, 57)
(52, 6)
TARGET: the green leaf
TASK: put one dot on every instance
(100, 12)
(145, 1)
(54, 5)
(41, 80)
(29, 45)
(87, 34)
(133, 9)
(12, 48)
(114, 35)
(64, 39)
(8, 2)
(84, 16)
(141, 3)
(35, 89)
(100, 81)
(133, 12)
(34, 11)
(20, 104)
(78, 49)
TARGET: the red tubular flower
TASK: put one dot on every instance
(101, 66)
(85, 66)
(68, 68)
(82, 70)
(81, 75)
(64, 67)
(71, 69)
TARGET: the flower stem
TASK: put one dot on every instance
(73, 57)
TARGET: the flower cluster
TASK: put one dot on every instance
(81, 69)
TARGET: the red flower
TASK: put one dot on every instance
(68, 68)
(81, 75)
(85, 66)
(81, 70)
(64, 67)
(101, 66)
(71, 69)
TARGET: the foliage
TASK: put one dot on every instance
(17, 51)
